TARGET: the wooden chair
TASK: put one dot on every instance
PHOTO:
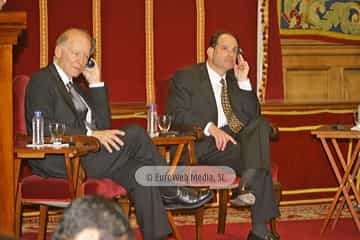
(45, 192)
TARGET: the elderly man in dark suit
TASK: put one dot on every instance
(52, 91)
(217, 97)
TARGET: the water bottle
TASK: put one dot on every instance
(151, 120)
(38, 128)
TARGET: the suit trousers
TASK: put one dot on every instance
(120, 166)
(250, 152)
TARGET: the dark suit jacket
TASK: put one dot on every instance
(46, 92)
(192, 101)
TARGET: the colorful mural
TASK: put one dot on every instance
(333, 18)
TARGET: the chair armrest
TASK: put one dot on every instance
(274, 135)
(191, 130)
(199, 133)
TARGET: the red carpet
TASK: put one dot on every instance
(289, 230)
(296, 223)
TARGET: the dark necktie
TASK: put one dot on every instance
(79, 103)
(234, 123)
(80, 106)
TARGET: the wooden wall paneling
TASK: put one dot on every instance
(351, 83)
(11, 24)
(324, 71)
(309, 83)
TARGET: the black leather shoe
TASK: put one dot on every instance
(187, 198)
(268, 236)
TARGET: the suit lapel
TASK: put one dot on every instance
(207, 91)
(59, 84)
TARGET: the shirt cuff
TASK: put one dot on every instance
(206, 129)
(245, 85)
(97, 84)
(88, 131)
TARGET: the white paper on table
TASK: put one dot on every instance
(48, 145)
(355, 128)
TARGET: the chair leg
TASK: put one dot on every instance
(223, 201)
(125, 204)
(175, 231)
(273, 228)
(199, 219)
(43, 222)
(277, 189)
(18, 217)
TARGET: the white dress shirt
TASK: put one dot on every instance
(216, 87)
(67, 80)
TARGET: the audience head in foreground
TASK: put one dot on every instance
(93, 218)
(2, 3)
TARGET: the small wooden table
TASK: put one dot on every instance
(79, 145)
(183, 142)
(347, 170)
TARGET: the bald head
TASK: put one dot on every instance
(69, 33)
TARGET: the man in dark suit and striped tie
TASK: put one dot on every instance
(217, 97)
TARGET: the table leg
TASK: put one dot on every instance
(69, 176)
(191, 153)
(176, 159)
(342, 181)
(17, 165)
(351, 159)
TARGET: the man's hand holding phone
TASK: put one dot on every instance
(91, 72)
(241, 67)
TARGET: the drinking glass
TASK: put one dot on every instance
(357, 118)
(57, 131)
(164, 123)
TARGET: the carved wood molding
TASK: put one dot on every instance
(272, 107)
(44, 33)
(263, 42)
(96, 19)
(127, 110)
(200, 30)
(313, 47)
(11, 24)
(149, 51)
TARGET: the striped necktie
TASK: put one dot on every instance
(81, 106)
(234, 123)
(78, 101)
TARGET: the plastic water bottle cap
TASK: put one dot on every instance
(152, 106)
(37, 113)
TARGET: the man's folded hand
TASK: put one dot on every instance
(221, 137)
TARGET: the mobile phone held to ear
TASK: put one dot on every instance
(239, 52)
(90, 63)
